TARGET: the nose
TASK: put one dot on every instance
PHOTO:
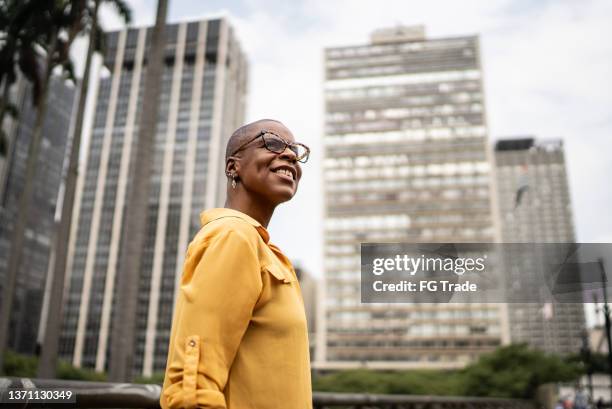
(288, 154)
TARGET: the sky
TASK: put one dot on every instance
(547, 68)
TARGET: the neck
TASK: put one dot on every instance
(255, 209)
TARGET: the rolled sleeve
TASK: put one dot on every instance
(220, 286)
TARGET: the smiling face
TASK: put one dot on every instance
(268, 177)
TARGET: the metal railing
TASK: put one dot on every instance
(125, 395)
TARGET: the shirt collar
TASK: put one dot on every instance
(213, 214)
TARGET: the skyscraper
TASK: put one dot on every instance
(40, 228)
(535, 207)
(406, 160)
(308, 287)
(201, 103)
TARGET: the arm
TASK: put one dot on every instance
(220, 286)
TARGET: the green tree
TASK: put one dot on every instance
(157, 377)
(20, 45)
(18, 365)
(516, 371)
(414, 382)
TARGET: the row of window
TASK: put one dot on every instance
(403, 113)
(448, 169)
(360, 224)
(407, 123)
(428, 63)
(405, 135)
(396, 91)
(392, 159)
(404, 183)
(424, 234)
(382, 78)
(378, 49)
(407, 195)
(399, 56)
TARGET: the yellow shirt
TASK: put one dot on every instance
(239, 338)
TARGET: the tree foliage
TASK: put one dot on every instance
(25, 366)
(157, 377)
(514, 371)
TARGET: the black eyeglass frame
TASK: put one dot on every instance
(287, 145)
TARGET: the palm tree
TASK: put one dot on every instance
(20, 43)
(48, 25)
(87, 20)
(123, 335)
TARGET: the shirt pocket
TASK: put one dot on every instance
(279, 273)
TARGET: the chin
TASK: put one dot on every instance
(279, 197)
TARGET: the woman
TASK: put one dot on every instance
(239, 337)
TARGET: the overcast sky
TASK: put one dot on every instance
(547, 67)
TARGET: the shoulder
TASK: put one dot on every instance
(228, 228)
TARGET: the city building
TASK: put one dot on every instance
(598, 341)
(308, 287)
(535, 207)
(202, 101)
(406, 160)
(40, 228)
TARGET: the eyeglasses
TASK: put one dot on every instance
(275, 143)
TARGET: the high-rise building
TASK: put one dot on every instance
(40, 227)
(202, 101)
(309, 286)
(535, 207)
(406, 160)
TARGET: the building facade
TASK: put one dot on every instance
(308, 287)
(202, 101)
(41, 226)
(406, 160)
(535, 207)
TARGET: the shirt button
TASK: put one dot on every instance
(192, 343)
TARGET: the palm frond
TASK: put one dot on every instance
(123, 9)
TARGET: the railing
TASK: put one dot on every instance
(124, 395)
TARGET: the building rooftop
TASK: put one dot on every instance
(526, 143)
(398, 34)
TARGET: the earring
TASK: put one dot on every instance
(230, 175)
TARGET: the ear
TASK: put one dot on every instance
(232, 165)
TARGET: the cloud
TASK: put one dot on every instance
(143, 13)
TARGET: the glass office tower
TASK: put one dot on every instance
(41, 224)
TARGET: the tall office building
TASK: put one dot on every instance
(308, 286)
(40, 227)
(406, 160)
(202, 101)
(535, 207)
